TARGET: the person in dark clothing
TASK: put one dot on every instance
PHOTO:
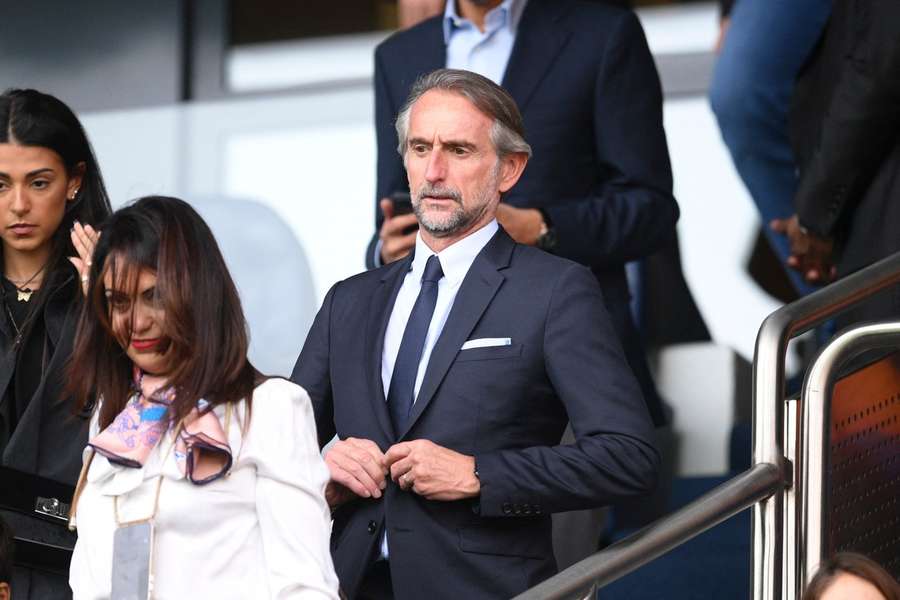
(762, 46)
(51, 197)
(845, 123)
(6, 547)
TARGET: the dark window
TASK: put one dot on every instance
(256, 21)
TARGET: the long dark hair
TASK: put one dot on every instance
(31, 118)
(204, 323)
(853, 564)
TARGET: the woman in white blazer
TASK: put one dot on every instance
(202, 478)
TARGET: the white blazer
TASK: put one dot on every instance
(261, 532)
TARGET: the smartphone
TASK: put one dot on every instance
(402, 203)
(132, 561)
(403, 206)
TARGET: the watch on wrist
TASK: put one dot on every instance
(547, 237)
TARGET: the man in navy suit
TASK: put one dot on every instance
(449, 376)
(598, 189)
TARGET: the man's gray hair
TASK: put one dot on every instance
(507, 132)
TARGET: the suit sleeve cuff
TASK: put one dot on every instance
(497, 499)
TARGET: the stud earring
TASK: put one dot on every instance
(74, 193)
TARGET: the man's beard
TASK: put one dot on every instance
(459, 219)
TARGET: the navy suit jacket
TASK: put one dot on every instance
(505, 405)
(586, 84)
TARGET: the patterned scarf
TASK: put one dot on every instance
(201, 446)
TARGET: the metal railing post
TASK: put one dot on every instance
(818, 390)
(763, 485)
(768, 416)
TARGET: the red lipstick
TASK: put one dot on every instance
(144, 345)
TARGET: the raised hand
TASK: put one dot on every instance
(395, 244)
(84, 238)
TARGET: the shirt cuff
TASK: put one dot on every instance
(376, 259)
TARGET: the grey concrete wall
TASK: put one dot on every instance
(95, 54)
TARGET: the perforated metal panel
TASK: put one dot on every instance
(863, 472)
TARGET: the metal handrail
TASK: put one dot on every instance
(768, 394)
(818, 390)
(763, 485)
(654, 540)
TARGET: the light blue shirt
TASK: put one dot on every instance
(455, 260)
(486, 53)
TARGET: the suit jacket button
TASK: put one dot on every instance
(507, 508)
(373, 527)
(526, 510)
(517, 509)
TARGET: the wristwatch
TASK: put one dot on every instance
(547, 237)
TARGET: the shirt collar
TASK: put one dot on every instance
(510, 12)
(457, 258)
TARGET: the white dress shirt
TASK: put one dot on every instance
(262, 531)
(455, 263)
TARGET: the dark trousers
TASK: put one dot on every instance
(377, 585)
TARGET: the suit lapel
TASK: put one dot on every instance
(430, 53)
(538, 42)
(475, 294)
(382, 303)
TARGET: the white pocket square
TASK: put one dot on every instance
(486, 343)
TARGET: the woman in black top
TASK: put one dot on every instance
(51, 198)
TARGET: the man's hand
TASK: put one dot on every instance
(522, 224)
(432, 471)
(358, 469)
(811, 255)
(394, 243)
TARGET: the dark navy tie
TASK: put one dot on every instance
(403, 380)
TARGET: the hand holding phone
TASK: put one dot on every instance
(398, 231)
(402, 203)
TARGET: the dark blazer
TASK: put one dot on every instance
(49, 437)
(586, 84)
(846, 131)
(506, 405)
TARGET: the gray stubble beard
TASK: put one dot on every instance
(460, 219)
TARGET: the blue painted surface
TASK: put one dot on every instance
(715, 564)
